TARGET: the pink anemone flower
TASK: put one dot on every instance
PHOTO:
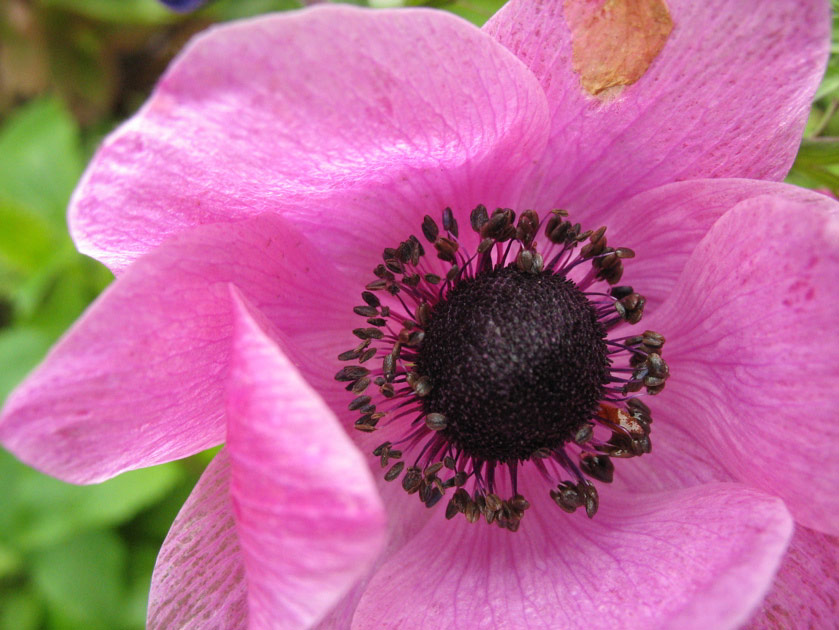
(282, 168)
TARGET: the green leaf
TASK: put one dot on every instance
(21, 610)
(829, 85)
(10, 562)
(830, 81)
(37, 511)
(118, 11)
(813, 176)
(54, 298)
(223, 10)
(20, 350)
(819, 151)
(26, 238)
(140, 568)
(82, 580)
(40, 160)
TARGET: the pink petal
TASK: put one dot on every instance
(805, 592)
(406, 517)
(696, 558)
(752, 345)
(139, 379)
(727, 96)
(344, 119)
(664, 225)
(309, 517)
(199, 577)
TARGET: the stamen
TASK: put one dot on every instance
(495, 359)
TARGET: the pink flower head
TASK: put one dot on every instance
(246, 207)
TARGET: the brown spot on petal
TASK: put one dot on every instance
(614, 42)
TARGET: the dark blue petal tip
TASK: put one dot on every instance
(183, 5)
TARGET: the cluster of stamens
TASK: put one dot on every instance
(425, 369)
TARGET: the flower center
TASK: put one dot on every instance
(477, 364)
(516, 361)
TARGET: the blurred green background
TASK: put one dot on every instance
(80, 558)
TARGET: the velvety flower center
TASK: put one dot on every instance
(516, 361)
(479, 363)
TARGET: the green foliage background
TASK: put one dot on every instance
(80, 558)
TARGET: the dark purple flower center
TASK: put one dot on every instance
(517, 362)
(477, 364)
